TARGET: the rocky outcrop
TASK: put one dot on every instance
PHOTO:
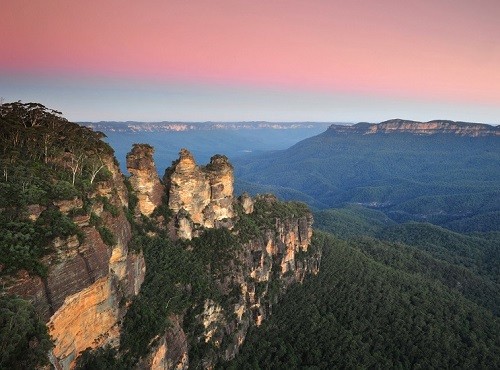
(205, 194)
(419, 128)
(144, 178)
(80, 297)
(171, 352)
(92, 278)
(246, 203)
(277, 254)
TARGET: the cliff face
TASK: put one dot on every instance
(203, 193)
(420, 128)
(276, 253)
(144, 178)
(262, 247)
(258, 248)
(87, 279)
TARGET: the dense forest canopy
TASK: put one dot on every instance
(444, 178)
(374, 305)
(391, 292)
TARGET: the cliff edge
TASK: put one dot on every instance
(138, 272)
(419, 128)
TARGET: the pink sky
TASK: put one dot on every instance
(432, 49)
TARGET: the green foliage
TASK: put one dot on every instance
(132, 198)
(63, 190)
(171, 268)
(476, 287)
(102, 358)
(361, 313)
(107, 236)
(482, 222)
(43, 159)
(107, 206)
(24, 242)
(24, 341)
(468, 264)
(438, 178)
(163, 211)
(352, 220)
(56, 224)
(480, 255)
(266, 210)
(215, 248)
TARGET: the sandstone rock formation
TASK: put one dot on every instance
(79, 298)
(144, 178)
(90, 283)
(246, 203)
(204, 193)
(266, 265)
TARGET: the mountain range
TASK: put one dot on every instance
(173, 267)
(166, 126)
(443, 172)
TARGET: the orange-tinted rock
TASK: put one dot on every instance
(206, 194)
(65, 206)
(246, 203)
(85, 320)
(171, 351)
(79, 298)
(144, 178)
(188, 187)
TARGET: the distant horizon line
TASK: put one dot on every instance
(277, 122)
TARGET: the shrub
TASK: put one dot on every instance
(107, 236)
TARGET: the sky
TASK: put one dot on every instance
(242, 60)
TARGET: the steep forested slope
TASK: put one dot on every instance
(134, 272)
(441, 178)
(370, 308)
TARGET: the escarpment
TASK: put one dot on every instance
(419, 128)
(65, 238)
(80, 295)
(241, 254)
(246, 252)
(156, 275)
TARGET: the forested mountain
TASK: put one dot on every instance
(377, 305)
(446, 176)
(392, 292)
(103, 271)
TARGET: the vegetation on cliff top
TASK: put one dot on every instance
(44, 159)
(388, 295)
(45, 162)
(180, 277)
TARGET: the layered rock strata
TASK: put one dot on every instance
(420, 128)
(85, 295)
(275, 257)
(144, 178)
(200, 196)
(86, 280)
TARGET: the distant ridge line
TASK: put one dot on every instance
(419, 128)
(165, 126)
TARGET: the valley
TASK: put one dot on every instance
(393, 262)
